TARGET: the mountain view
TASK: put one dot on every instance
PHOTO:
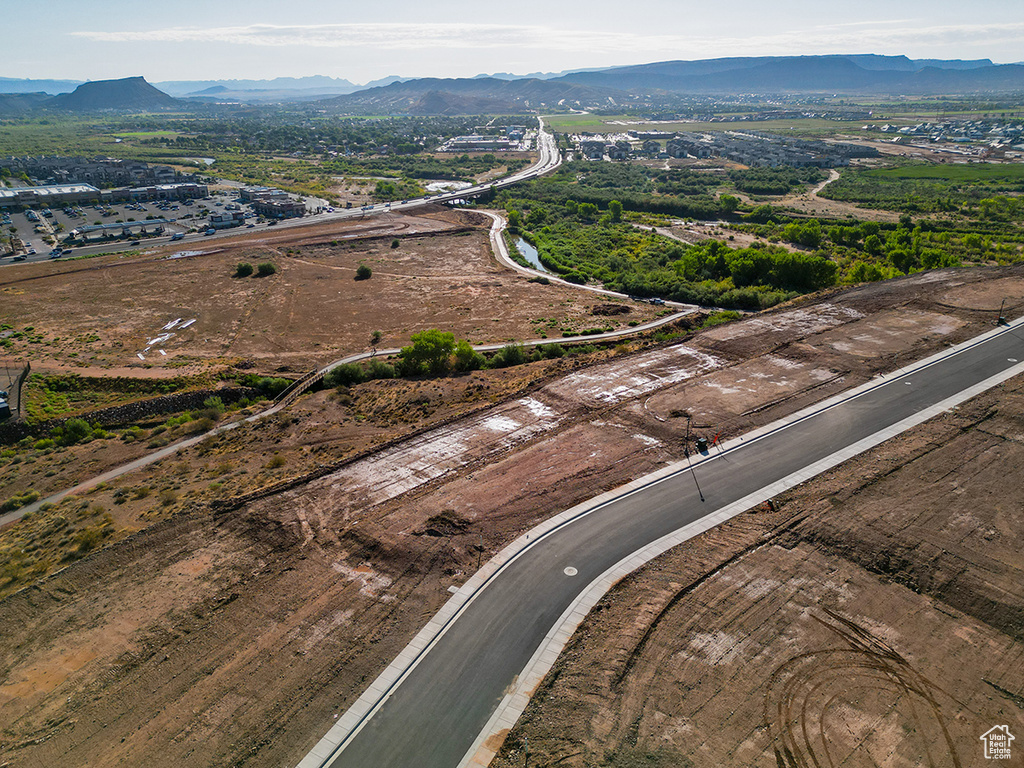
(451, 385)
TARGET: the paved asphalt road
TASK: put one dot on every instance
(432, 718)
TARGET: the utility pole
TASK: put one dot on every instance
(686, 450)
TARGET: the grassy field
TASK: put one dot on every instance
(961, 174)
(622, 123)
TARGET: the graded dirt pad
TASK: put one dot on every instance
(234, 638)
(181, 313)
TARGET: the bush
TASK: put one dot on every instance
(243, 269)
(509, 355)
(267, 386)
(395, 243)
(276, 461)
(363, 272)
(214, 403)
(266, 269)
(551, 351)
(467, 358)
(19, 500)
(345, 375)
(73, 431)
(378, 369)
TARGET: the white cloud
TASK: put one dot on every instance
(894, 36)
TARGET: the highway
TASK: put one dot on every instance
(431, 712)
(548, 159)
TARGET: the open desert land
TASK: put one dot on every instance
(99, 315)
(232, 629)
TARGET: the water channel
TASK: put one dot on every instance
(531, 255)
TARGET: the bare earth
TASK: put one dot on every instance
(98, 315)
(877, 610)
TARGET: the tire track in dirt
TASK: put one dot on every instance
(803, 689)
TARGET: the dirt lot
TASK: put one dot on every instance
(235, 637)
(100, 315)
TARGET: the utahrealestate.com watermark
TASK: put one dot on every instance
(997, 742)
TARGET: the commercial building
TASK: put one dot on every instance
(183, 191)
(227, 219)
(126, 229)
(277, 208)
(47, 196)
(478, 144)
(275, 203)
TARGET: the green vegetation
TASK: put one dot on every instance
(244, 269)
(265, 269)
(622, 258)
(986, 192)
(47, 397)
(363, 272)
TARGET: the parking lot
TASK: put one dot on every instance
(44, 231)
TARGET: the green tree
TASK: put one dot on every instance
(467, 358)
(375, 339)
(243, 269)
(266, 269)
(515, 221)
(729, 203)
(615, 210)
(363, 272)
(431, 350)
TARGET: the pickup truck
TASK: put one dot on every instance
(210, 231)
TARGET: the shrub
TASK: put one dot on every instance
(395, 243)
(363, 272)
(266, 269)
(276, 461)
(552, 351)
(19, 500)
(378, 369)
(467, 358)
(267, 386)
(345, 375)
(73, 431)
(509, 355)
(243, 269)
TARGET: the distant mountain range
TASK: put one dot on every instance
(864, 74)
(469, 96)
(810, 74)
(315, 86)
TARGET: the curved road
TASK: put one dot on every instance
(434, 707)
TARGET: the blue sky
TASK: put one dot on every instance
(365, 40)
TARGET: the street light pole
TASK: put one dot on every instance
(686, 450)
